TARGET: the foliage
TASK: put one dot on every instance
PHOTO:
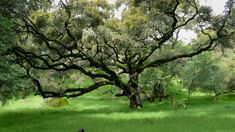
(227, 67)
(13, 82)
(203, 72)
(165, 74)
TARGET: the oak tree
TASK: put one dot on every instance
(86, 36)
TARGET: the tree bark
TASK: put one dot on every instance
(135, 101)
(189, 93)
(158, 91)
(135, 98)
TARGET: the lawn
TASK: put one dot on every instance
(109, 114)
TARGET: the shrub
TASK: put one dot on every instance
(56, 102)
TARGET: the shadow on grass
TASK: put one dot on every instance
(69, 121)
(111, 115)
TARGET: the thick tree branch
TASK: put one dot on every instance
(158, 62)
(69, 92)
(28, 57)
(166, 36)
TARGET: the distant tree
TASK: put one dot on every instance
(153, 80)
(203, 73)
(226, 65)
(85, 36)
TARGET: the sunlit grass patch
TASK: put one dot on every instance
(109, 114)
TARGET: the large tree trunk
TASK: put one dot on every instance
(135, 99)
(135, 102)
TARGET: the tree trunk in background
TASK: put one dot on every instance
(158, 91)
(189, 92)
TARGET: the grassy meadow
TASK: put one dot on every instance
(98, 112)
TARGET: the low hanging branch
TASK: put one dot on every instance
(67, 92)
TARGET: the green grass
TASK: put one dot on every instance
(108, 114)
